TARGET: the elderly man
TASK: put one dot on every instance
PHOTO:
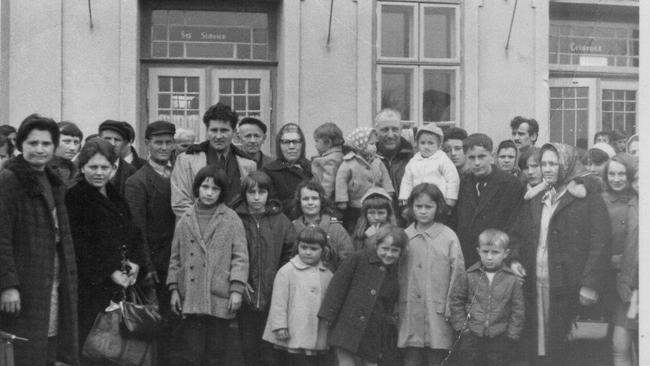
(252, 133)
(395, 150)
(220, 122)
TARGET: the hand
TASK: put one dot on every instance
(281, 334)
(519, 270)
(588, 296)
(152, 278)
(133, 273)
(120, 278)
(10, 301)
(342, 206)
(175, 302)
(372, 230)
(234, 303)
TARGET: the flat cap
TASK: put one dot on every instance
(116, 126)
(159, 128)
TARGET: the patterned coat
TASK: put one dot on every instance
(27, 250)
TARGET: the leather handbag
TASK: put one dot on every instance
(588, 329)
(141, 317)
(107, 342)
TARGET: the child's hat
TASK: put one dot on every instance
(605, 147)
(359, 138)
(431, 128)
(376, 191)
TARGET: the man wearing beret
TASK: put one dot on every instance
(252, 133)
(148, 193)
(117, 134)
(128, 153)
(220, 122)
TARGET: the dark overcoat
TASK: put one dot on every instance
(494, 209)
(286, 178)
(361, 296)
(102, 229)
(124, 171)
(27, 249)
(578, 245)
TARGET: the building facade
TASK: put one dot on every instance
(572, 65)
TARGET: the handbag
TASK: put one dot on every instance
(588, 329)
(141, 317)
(7, 348)
(107, 342)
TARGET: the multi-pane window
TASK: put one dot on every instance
(569, 117)
(619, 110)
(418, 61)
(209, 35)
(593, 44)
(178, 101)
(241, 94)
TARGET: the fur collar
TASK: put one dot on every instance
(27, 176)
(203, 148)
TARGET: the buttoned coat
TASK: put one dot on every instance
(102, 229)
(352, 302)
(188, 165)
(286, 177)
(27, 251)
(298, 290)
(427, 271)
(324, 168)
(396, 163)
(123, 172)
(207, 268)
(356, 176)
(496, 208)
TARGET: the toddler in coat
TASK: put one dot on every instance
(432, 263)
(487, 305)
(359, 304)
(430, 165)
(298, 289)
(328, 139)
(361, 170)
(208, 269)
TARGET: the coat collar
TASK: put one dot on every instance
(353, 155)
(93, 195)
(405, 150)
(273, 207)
(432, 232)
(333, 150)
(494, 181)
(478, 267)
(28, 176)
(300, 265)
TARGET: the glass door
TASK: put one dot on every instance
(618, 100)
(573, 111)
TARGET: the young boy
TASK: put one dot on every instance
(328, 138)
(430, 165)
(487, 305)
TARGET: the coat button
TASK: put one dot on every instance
(191, 254)
(373, 292)
(362, 318)
(191, 280)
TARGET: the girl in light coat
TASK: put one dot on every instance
(427, 272)
(298, 290)
(208, 270)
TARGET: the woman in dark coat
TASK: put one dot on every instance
(36, 252)
(563, 241)
(290, 168)
(104, 234)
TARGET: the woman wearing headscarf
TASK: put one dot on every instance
(623, 208)
(290, 168)
(562, 238)
(107, 242)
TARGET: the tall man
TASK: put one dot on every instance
(148, 193)
(252, 133)
(524, 134)
(220, 122)
(117, 133)
(488, 198)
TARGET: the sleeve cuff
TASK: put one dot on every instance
(237, 286)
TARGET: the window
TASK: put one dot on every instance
(619, 110)
(418, 61)
(209, 35)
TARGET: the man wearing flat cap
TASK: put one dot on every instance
(128, 153)
(118, 134)
(148, 193)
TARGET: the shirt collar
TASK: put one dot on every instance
(160, 169)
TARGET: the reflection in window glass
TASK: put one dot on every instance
(178, 101)
(437, 96)
(396, 90)
(396, 30)
(439, 32)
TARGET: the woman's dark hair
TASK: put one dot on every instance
(218, 176)
(36, 122)
(6, 130)
(630, 165)
(287, 128)
(257, 179)
(70, 129)
(312, 185)
(377, 202)
(313, 234)
(398, 234)
(4, 141)
(434, 193)
(96, 146)
(220, 112)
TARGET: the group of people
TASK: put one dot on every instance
(378, 250)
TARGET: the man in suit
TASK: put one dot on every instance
(118, 134)
(148, 193)
(488, 198)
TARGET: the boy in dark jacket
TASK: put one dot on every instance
(487, 305)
